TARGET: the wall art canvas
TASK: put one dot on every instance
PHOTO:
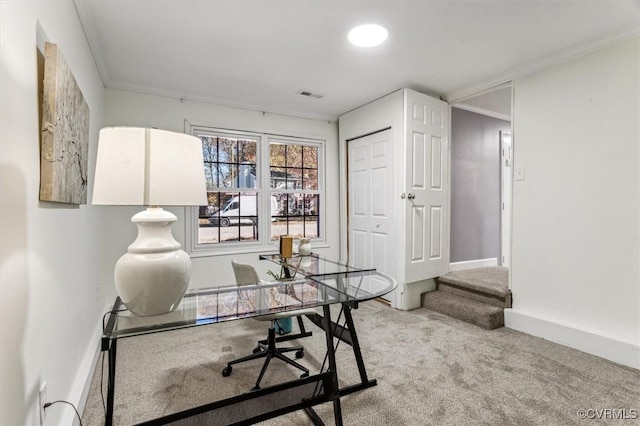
(65, 133)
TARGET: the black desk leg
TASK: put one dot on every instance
(355, 344)
(328, 332)
(112, 381)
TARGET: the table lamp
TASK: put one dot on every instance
(150, 167)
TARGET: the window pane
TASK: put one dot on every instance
(277, 156)
(310, 179)
(232, 180)
(211, 175)
(246, 176)
(247, 151)
(294, 156)
(311, 227)
(224, 175)
(310, 157)
(294, 205)
(229, 233)
(298, 216)
(294, 178)
(278, 178)
(227, 150)
(214, 202)
(311, 204)
(296, 226)
(209, 148)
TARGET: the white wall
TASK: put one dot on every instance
(123, 108)
(575, 254)
(475, 185)
(49, 253)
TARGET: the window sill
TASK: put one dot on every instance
(236, 250)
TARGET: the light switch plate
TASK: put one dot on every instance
(519, 173)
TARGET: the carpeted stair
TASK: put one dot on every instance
(477, 296)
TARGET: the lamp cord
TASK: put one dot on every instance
(49, 404)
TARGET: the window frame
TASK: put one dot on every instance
(264, 191)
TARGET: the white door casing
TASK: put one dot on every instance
(505, 197)
(371, 219)
(427, 187)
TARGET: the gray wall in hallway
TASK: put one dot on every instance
(475, 185)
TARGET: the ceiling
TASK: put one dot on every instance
(260, 54)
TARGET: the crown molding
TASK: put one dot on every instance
(567, 55)
(219, 102)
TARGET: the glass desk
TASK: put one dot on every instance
(322, 283)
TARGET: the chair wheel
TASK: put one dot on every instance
(256, 350)
(299, 354)
(304, 375)
(226, 372)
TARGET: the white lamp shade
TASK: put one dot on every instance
(149, 167)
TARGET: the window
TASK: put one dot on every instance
(258, 187)
(293, 181)
(231, 171)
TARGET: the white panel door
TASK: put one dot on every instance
(427, 193)
(371, 219)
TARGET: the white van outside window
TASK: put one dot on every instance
(243, 210)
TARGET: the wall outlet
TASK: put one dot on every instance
(42, 399)
(519, 173)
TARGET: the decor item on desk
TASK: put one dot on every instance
(305, 262)
(286, 246)
(150, 167)
(305, 247)
(65, 133)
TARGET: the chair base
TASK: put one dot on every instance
(269, 351)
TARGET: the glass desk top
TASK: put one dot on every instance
(313, 265)
(325, 282)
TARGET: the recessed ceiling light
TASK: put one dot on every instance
(368, 35)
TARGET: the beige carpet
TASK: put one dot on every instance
(490, 279)
(431, 370)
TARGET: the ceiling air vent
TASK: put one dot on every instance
(309, 94)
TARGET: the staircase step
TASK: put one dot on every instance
(468, 310)
(499, 301)
(488, 285)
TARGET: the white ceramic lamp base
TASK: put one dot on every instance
(153, 276)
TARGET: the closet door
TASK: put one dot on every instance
(371, 214)
(426, 186)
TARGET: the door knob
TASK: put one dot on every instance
(411, 196)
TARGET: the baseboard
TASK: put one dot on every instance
(411, 296)
(471, 264)
(605, 347)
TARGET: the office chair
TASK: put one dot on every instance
(247, 275)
